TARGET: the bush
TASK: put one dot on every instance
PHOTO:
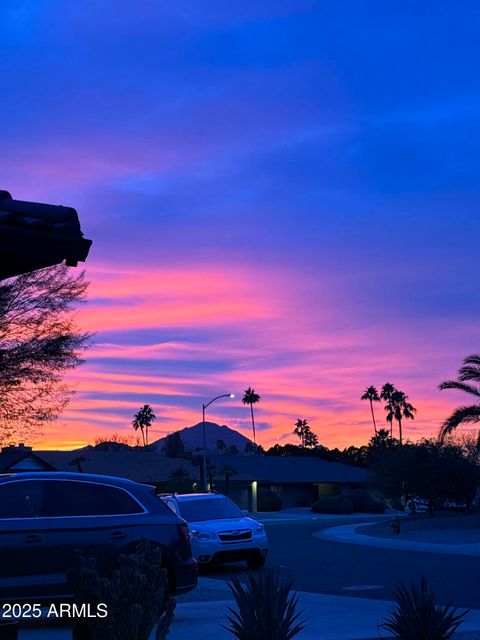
(416, 616)
(268, 500)
(266, 608)
(334, 505)
(364, 503)
(136, 596)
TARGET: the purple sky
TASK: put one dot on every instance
(281, 195)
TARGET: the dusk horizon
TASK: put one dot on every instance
(271, 206)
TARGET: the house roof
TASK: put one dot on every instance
(35, 235)
(141, 466)
(149, 467)
(290, 469)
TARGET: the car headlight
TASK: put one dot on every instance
(202, 535)
(259, 531)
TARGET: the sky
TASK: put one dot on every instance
(281, 194)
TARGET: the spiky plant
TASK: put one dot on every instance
(417, 617)
(468, 380)
(266, 608)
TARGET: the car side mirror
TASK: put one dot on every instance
(245, 512)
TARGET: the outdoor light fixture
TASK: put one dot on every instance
(204, 406)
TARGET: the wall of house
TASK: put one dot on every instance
(296, 495)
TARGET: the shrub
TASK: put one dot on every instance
(334, 505)
(266, 608)
(416, 616)
(136, 596)
(268, 500)
(364, 503)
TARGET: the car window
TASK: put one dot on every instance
(76, 498)
(172, 504)
(209, 509)
(22, 499)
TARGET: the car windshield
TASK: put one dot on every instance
(208, 509)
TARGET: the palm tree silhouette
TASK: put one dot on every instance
(386, 394)
(467, 380)
(398, 408)
(371, 394)
(251, 398)
(143, 420)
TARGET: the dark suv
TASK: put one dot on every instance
(46, 516)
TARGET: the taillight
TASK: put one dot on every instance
(184, 532)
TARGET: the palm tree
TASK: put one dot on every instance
(398, 407)
(301, 429)
(143, 420)
(386, 394)
(468, 380)
(251, 398)
(371, 394)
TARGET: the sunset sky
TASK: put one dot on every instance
(281, 194)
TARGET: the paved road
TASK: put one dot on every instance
(335, 568)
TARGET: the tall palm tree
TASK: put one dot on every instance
(251, 398)
(143, 420)
(468, 380)
(386, 394)
(301, 430)
(398, 408)
(371, 394)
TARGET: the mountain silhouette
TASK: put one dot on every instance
(193, 437)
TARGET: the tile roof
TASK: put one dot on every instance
(35, 235)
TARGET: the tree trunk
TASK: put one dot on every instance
(373, 417)
(227, 482)
(400, 435)
(253, 424)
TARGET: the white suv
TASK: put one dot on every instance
(220, 532)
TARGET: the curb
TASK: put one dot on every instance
(348, 534)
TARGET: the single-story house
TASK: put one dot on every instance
(299, 481)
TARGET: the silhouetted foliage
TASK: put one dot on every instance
(39, 343)
(428, 469)
(136, 596)
(335, 505)
(180, 481)
(225, 472)
(417, 617)
(174, 447)
(308, 439)
(143, 420)
(468, 380)
(371, 394)
(251, 398)
(268, 500)
(253, 449)
(266, 608)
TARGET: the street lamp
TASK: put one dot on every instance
(204, 406)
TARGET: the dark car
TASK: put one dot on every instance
(46, 516)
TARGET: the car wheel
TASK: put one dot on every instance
(258, 562)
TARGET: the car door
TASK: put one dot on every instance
(23, 531)
(99, 520)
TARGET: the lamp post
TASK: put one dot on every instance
(204, 406)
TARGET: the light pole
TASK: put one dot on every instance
(204, 406)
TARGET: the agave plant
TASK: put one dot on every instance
(266, 608)
(416, 616)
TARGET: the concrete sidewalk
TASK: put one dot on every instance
(348, 533)
(328, 618)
